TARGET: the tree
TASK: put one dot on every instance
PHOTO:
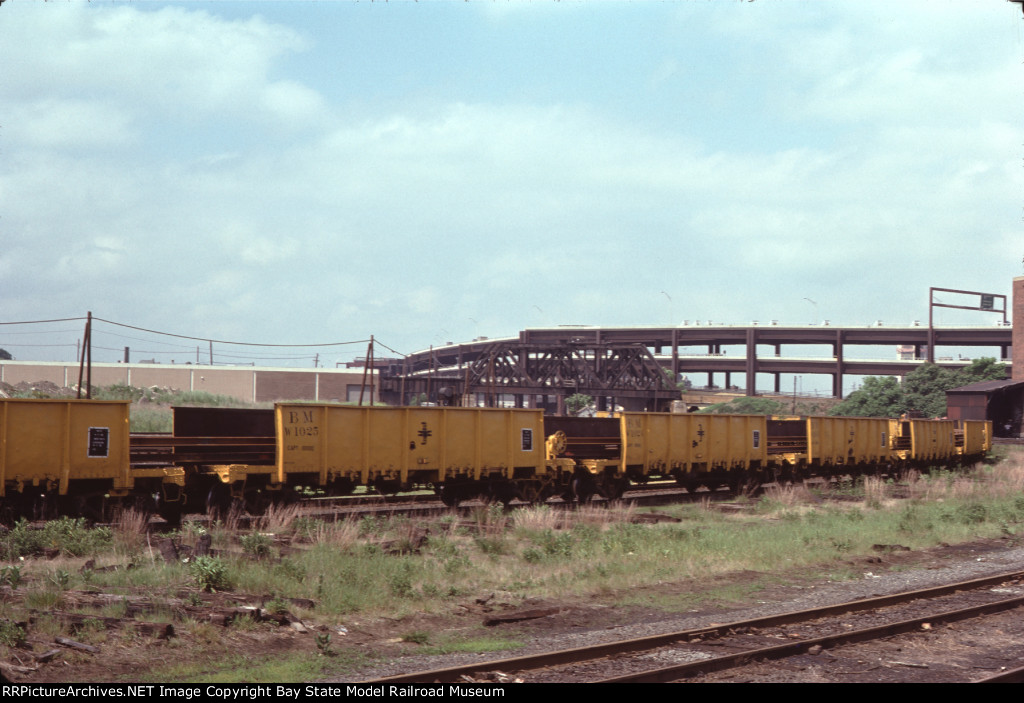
(576, 402)
(5, 355)
(983, 369)
(923, 390)
(880, 396)
(747, 406)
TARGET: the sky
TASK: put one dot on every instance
(432, 172)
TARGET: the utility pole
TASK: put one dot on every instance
(86, 358)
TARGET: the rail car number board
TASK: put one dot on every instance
(99, 442)
(301, 424)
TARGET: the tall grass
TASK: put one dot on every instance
(383, 565)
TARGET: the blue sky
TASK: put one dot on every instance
(300, 172)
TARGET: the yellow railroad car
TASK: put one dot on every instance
(695, 448)
(62, 449)
(921, 441)
(395, 447)
(847, 441)
(973, 437)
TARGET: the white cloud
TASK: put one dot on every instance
(183, 63)
(69, 123)
(178, 145)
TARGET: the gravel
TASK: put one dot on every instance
(586, 625)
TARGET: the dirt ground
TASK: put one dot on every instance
(373, 646)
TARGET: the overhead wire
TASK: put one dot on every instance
(173, 348)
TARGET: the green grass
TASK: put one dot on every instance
(347, 573)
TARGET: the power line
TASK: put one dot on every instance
(37, 322)
(223, 341)
(182, 349)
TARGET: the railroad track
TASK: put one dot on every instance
(736, 650)
(333, 509)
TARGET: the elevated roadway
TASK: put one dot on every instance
(461, 366)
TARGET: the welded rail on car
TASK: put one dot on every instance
(152, 449)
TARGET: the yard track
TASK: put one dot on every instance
(801, 631)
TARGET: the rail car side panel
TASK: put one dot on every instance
(698, 442)
(835, 441)
(976, 435)
(733, 441)
(655, 442)
(54, 442)
(402, 444)
(932, 440)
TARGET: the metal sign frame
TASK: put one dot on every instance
(983, 299)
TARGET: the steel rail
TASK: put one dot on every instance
(579, 654)
(1011, 676)
(729, 661)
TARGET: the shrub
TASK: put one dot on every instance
(210, 573)
(11, 634)
(256, 545)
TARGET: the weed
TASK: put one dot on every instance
(492, 546)
(256, 545)
(210, 573)
(417, 637)
(290, 569)
(60, 578)
(276, 606)
(370, 525)
(537, 517)
(841, 545)
(11, 634)
(192, 530)
(400, 583)
(323, 644)
(490, 519)
(72, 537)
(280, 517)
(44, 600)
(11, 575)
(304, 527)
(972, 513)
(533, 555)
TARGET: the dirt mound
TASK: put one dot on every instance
(35, 389)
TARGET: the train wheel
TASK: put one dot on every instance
(342, 487)
(533, 492)
(501, 492)
(218, 501)
(387, 487)
(584, 488)
(256, 502)
(450, 496)
(613, 488)
(8, 512)
(171, 513)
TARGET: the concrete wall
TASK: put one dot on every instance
(247, 383)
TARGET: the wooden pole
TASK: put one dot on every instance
(366, 366)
